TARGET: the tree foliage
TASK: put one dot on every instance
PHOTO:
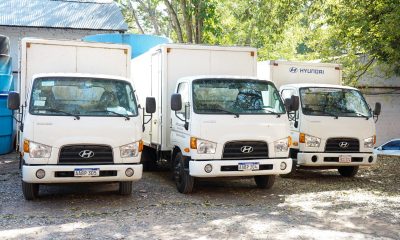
(356, 33)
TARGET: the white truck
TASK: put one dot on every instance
(334, 126)
(76, 125)
(219, 126)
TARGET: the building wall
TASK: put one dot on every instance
(388, 124)
(17, 33)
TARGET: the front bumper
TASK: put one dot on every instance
(229, 168)
(332, 159)
(64, 174)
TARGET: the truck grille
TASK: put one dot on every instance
(86, 154)
(245, 150)
(342, 145)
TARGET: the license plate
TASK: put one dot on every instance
(87, 172)
(344, 158)
(249, 166)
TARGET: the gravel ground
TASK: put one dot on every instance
(311, 205)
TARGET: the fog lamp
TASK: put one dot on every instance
(283, 165)
(129, 172)
(208, 168)
(40, 173)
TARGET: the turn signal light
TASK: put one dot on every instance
(26, 146)
(193, 143)
(302, 138)
(289, 141)
(140, 145)
(374, 139)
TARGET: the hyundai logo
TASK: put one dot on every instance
(344, 144)
(86, 154)
(293, 69)
(246, 149)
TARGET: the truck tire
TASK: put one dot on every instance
(348, 171)
(184, 182)
(292, 171)
(148, 160)
(30, 190)
(125, 188)
(265, 182)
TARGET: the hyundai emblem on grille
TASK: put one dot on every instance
(246, 149)
(86, 154)
(344, 144)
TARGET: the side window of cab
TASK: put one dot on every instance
(183, 90)
(287, 93)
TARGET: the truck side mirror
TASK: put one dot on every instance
(176, 102)
(13, 101)
(288, 103)
(292, 104)
(377, 110)
(295, 103)
(150, 105)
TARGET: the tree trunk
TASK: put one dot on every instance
(152, 15)
(175, 20)
(130, 7)
(187, 18)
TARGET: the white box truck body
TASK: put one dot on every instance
(206, 137)
(79, 119)
(334, 126)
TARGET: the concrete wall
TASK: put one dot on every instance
(17, 33)
(378, 86)
(388, 125)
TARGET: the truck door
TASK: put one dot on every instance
(294, 130)
(180, 134)
(156, 123)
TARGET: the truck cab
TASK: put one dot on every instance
(333, 128)
(228, 126)
(78, 115)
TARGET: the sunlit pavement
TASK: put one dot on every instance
(311, 205)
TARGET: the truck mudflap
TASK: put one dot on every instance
(79, 173)
(335, 159)
(232, 168)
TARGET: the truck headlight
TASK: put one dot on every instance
(131, 149)
(38, 150)
(282, 145)
(203, 146)
(310, 141)
(369, 142)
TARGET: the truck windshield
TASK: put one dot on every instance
(236, 96)
(339, 102)
(82, 96)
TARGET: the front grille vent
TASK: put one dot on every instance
(342, 145)
(245, 150)
(86, 155)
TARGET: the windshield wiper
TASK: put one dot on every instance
(116, 113)
(362, 115)
(357, 113)
(329, 113)
(77, 117)
(275, 113)
(221, 110)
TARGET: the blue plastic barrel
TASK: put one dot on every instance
(5, 82)
(6, 125)
(140, 43)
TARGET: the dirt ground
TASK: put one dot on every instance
(311, 205)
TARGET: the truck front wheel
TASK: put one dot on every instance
(348, 171)
(265, 182)
(30, 190)
(184, 182)
(125, 188)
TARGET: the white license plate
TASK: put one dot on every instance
(87, 172)
(249, 166)
(344, 158)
